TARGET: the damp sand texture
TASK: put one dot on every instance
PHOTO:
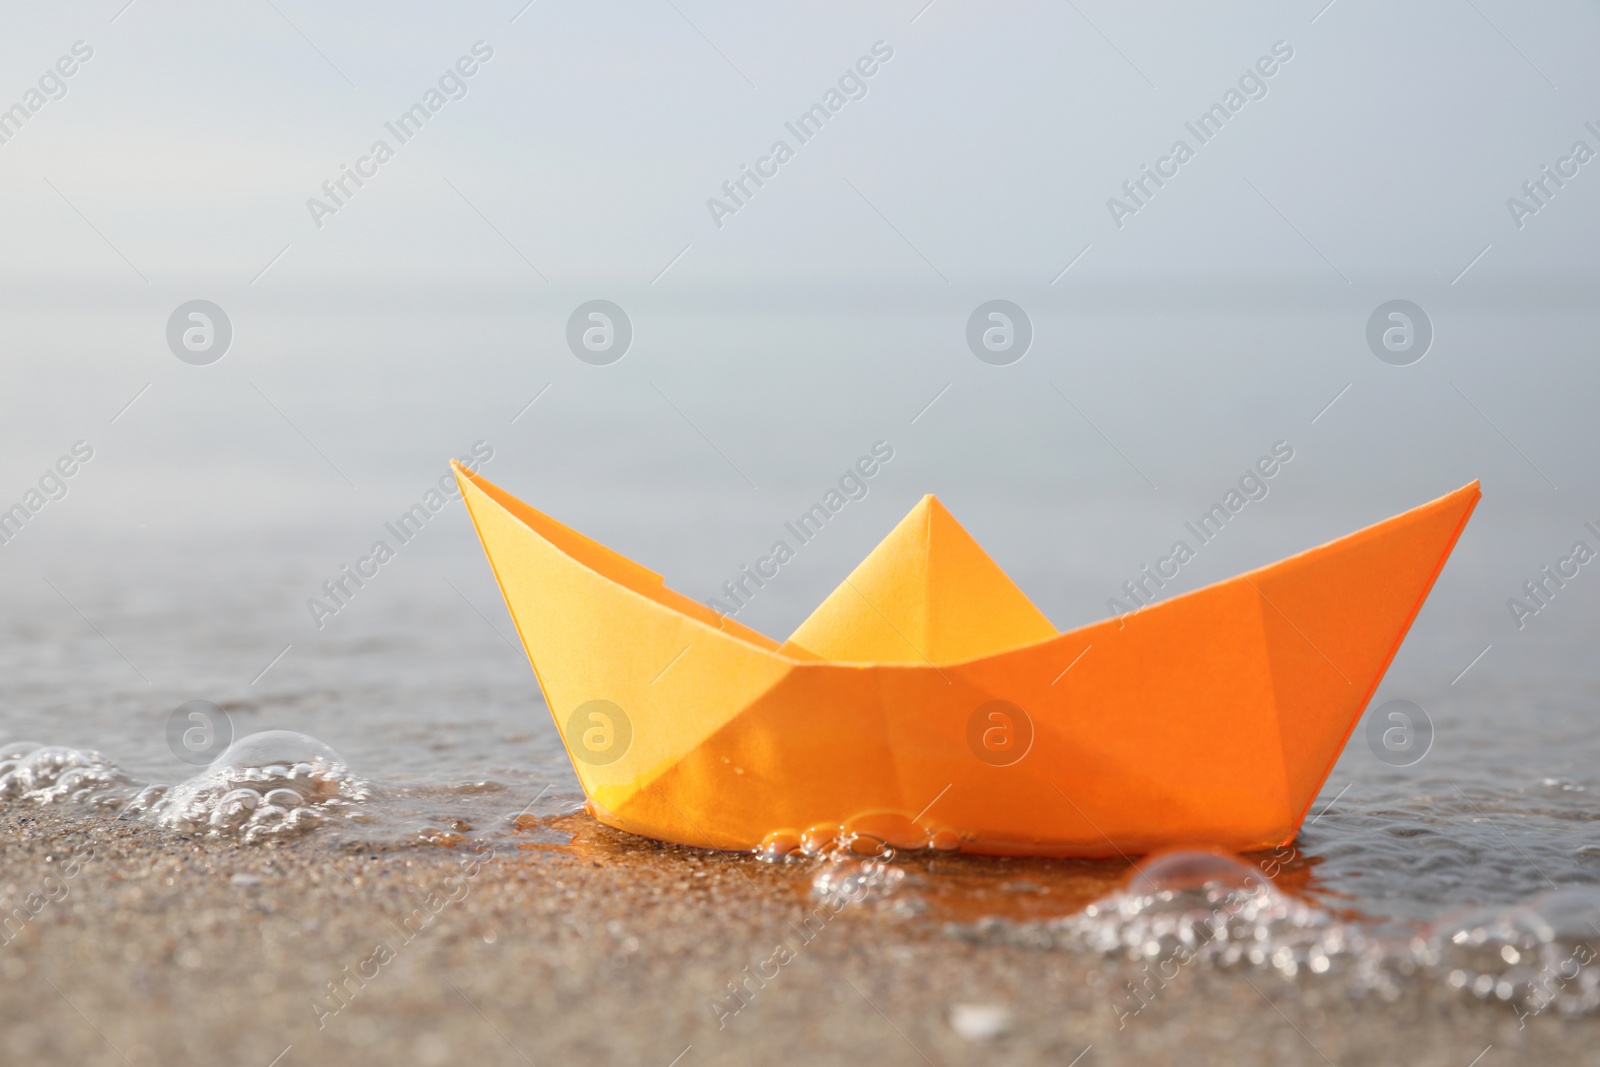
(612, 949)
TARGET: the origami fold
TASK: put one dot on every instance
(928, 703)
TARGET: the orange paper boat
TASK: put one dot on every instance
(927, 702)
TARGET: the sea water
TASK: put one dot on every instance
(1471, 864)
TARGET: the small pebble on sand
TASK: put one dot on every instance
(980, 1022)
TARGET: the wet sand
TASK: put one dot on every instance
(566, 942)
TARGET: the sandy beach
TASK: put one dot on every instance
(612, 949)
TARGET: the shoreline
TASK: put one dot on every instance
(606, 948)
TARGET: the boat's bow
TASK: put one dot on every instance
(1334, 617)
(635, 674)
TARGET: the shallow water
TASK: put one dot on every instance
(1473, 872)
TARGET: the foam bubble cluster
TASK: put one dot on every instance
(1536, 956)
(1187, 908)
(45, 774)
(270, 785)
(1194, 906)
(872, 834)
(851, 880)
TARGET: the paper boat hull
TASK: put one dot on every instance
(1213, 717)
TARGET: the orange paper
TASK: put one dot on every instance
(928, 703)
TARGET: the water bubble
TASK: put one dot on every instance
(280, 747)
(46, 774)
(15, 750)
(284, 798)
(269, 785)
(267, 814)
(240, 800)
(148, 798)
(234, 808)
(1204, 908)
(1534, 955)
(778, 846)
(891, 829)
(1194, 907)
(849, 880)
(866, 845)
(819, 838)
(1184, 870)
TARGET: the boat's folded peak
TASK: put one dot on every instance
(927, 596)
